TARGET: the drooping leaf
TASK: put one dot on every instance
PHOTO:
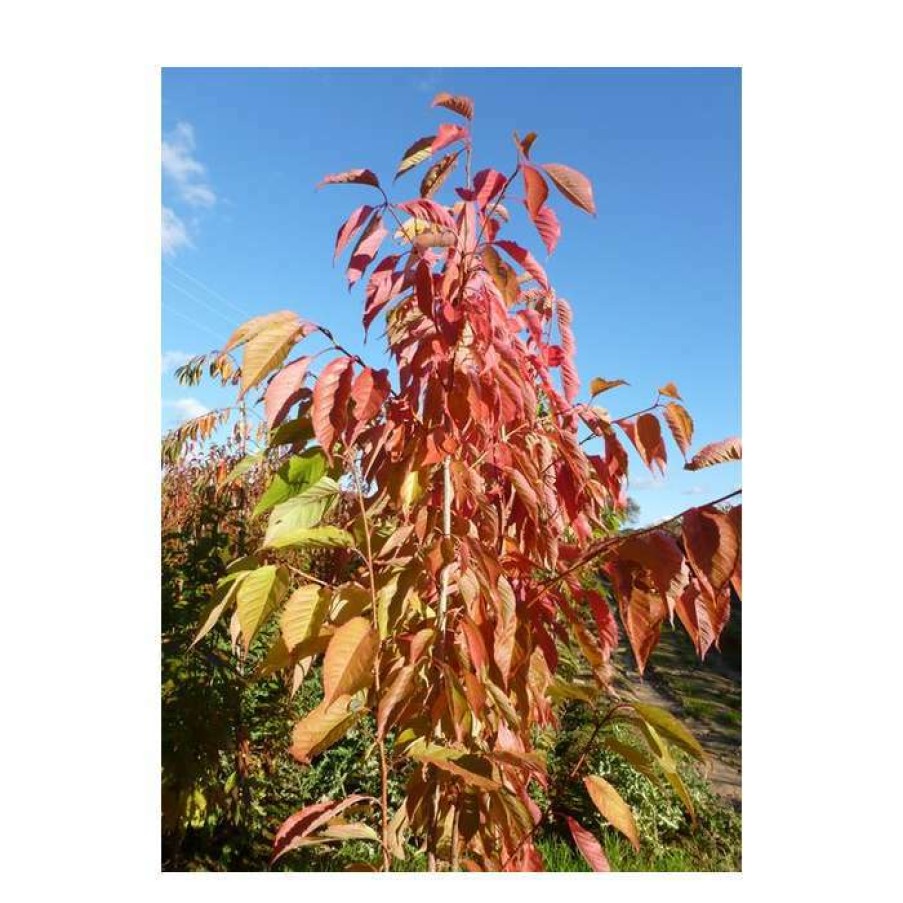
(646, 435)
(535, 190)
(429, 211)
(711, 544)
(681, 425)
(437, 174)
(487, 184)
(283, 391)
(329, 399)
(351, 177)
(350, 227)
(396, 694)
(589, 847)
(598, 385)
(665, 723)
(613, 808)
(472, 769)
(257, 596)
(573, 185)
(419, 151)
(307, 820)
(322, 727)
(457, 103)
(546, 222)
(303, 614)
(526, 260)
(348, 665)
(501, 274)
(366, 248)
(222, 596)
(369, 392)
(716, 453)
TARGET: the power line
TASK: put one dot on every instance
(200, 301)
(209, 290)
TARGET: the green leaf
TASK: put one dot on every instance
(299, 473)
(243, 466)
(258, 595)
(302, 512)
(292, 432)
(318, 537)
(668, 725)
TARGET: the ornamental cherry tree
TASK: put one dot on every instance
(469, 502)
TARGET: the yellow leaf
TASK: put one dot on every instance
(258, 594)
(322, 727)
(268, 347)
(303, 614)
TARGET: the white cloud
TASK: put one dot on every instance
(187, 408)
(175, 233)
(184, 170)
(174, 359)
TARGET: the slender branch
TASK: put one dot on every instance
(381, 746)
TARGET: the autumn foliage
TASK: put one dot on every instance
(468, 500)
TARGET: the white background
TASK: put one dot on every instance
(80, 361)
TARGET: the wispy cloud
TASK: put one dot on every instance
(187, 174)
(174, 359)
(175, 233)
(187, 408)
(427, 81)
(694, 490)
(647, 483)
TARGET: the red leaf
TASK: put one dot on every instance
(423, 283)
(546, 222)
(589, 847)
(349, 228)
(526, 260)
(487, 183)
(606, 625)
(365, 249)
(351, 176)
(457, 103)
(447, 134)
(569, 379)
(330, 396)
(369, 392)
(573, 185)
(535, 189)
(425, 209)
(282, 392)
(307, 820)
(384, 284)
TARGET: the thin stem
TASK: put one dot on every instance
(380, 743)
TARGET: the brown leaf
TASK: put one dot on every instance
(351, 176)
(437, 174)
(573, 185)
(670, 390)
(599, 385)
(322, 727)
(716, 453)
(419, 151)
(457, 103)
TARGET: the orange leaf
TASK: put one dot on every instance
(329, 399)
(613, 808)
(457, 103)
(716, 453)
(348, 665)
(599, 385)
(670, 390)
(535, 189)
(712, 547)
(681, 425)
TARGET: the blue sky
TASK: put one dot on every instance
(654, 279)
